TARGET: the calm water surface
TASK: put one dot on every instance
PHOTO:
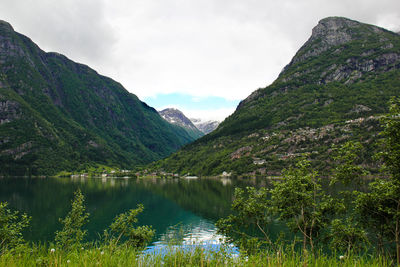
(178, 209)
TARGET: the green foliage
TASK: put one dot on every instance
(379, 208)
(248, 226)
(391, 133)
(347, 170)
(299, 200)
(72, 234)
(347, 237)
(123, 227)
(11, 226)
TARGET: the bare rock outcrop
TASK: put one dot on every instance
(330, 32)
(9, 111)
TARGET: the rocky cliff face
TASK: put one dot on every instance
(341, 34)
(9, 111)
(330, 32)
(339, 50)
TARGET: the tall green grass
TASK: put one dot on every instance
(99, 255)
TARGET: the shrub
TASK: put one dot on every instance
(11, 226)
(71, 235)
(123, 227)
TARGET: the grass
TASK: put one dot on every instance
(124, 256)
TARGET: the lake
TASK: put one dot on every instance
(178, 209)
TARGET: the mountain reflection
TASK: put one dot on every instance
(193, 204)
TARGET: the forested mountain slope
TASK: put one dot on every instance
(56, 115)
(334, 89)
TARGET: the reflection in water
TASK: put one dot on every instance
(200, 231)
(184, 208)
(226, 181)
(190, 237)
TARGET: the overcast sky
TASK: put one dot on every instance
(202, 55)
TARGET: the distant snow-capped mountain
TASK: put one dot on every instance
(205, 126)
(176, 117)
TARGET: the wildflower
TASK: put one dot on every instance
(102, 253)
(82, 248)
(52, 250)
(341, 257)
(68, 261)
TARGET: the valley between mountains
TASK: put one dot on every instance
(58, 115)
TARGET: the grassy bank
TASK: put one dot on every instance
(125, 256)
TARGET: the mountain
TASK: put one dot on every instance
(176, 117)
(56, 115)
(205, 126)
(334, 89)
(196, 127)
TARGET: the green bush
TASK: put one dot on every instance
(71, 235)
(123, 228)
(11, 226)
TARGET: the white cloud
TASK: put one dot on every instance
(389, 21)
(226, 48)
(210, 114)
(75, 28)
